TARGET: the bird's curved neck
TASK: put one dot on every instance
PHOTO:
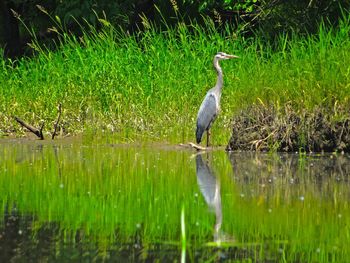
(220, 78)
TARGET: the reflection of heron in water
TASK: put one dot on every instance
(209, 186)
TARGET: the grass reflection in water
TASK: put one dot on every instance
(114, 201)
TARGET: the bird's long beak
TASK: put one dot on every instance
(232, 56)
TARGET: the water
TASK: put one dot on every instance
(74, 200)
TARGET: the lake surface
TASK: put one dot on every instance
(75, 200)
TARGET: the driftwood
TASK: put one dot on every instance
(37, 132)
(193, 145)
(57, 121)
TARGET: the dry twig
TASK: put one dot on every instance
(57, 121)
(37, 132)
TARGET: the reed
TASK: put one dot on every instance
(149, 86)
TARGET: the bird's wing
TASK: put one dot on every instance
(207, 112)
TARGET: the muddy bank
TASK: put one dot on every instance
(267, 128)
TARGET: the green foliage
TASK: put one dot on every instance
(301, 16)
(70, 11)
(267, 18)
(269, 15)
(151, 85)
(116, 11)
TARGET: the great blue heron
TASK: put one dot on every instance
(210, 106)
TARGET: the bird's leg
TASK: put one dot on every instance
(208, 137)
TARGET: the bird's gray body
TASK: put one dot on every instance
(207, 113)
(210, 106)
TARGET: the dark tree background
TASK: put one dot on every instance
(267, 17)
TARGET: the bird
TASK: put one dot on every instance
(210, 106)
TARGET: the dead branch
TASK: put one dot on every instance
(57, 121)
(37, 132)
(195, 146)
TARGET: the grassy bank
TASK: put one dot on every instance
(151, 86)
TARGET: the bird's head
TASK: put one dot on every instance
(222, 55)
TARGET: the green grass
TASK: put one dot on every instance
(150, 86)
(272, 205)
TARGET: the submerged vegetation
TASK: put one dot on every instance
(150, 85)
